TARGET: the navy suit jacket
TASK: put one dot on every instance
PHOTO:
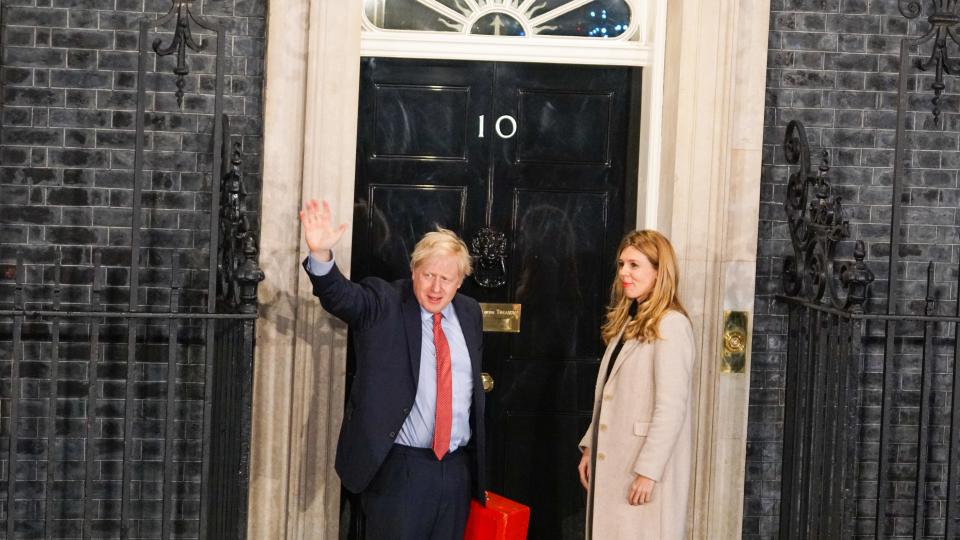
(385, 320)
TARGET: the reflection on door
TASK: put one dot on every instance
(545, 155)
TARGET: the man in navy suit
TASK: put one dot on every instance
(411, 443)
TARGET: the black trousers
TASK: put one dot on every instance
(415, 497)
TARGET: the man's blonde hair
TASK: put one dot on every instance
(442, 242)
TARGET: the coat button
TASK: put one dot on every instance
(406, 411)
(607, 396)
(392, 435)
(601, 456)
(603, 427)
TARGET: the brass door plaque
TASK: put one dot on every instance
(733, 346)
(500, 317)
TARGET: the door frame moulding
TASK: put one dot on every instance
(713, 94)
(443, 46)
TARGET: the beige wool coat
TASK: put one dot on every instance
(643, 426)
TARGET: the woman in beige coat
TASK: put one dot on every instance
(637, 454)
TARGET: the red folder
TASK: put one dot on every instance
(501, 519)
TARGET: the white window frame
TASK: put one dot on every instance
(636, 46)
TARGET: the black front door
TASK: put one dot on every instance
(545, 155)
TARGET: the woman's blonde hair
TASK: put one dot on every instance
(442, 241)
(663, 298)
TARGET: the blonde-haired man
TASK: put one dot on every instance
(412, 438)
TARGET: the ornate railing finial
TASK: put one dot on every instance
(238, 272)
(182, 39)
(944, 17)
(815, 229)
(856, 279)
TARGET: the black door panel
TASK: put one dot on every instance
(396, 216)
(558, 270)
(419, 161)
(421, 122)
(564, 128)
(546, 155)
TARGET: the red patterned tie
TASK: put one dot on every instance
(444, 415)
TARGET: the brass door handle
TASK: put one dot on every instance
(733, 351)
(734, 342)
(487, 382)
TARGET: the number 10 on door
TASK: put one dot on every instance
(511, 121)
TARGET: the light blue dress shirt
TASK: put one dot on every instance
(417, 430)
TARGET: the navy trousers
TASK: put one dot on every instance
(416, 497)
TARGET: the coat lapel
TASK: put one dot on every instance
(603, 364)
(411, 324)
(467, 323)
(625, 353)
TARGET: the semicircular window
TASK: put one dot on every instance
(572, 18)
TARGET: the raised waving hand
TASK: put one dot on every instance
(318, 229)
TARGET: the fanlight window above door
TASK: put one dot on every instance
(612, 19)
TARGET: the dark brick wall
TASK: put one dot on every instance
(833, 64)
(67, 147)
(67, 138)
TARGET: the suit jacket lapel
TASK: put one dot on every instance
(412, 325)
(467, 324)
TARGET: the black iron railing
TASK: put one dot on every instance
(832, 441)
(850, 469)
(134, 390)
(872, 404)
(126, 403)
(820, 424)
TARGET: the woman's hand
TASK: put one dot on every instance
(641, 490)
(584, 469)
(318, 229)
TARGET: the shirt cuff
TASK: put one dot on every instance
(318, 268)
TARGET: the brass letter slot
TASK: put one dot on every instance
(733, 349)
(500, 317)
